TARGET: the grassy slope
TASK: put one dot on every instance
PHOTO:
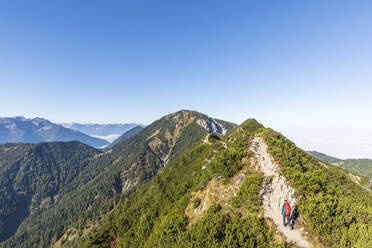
(335, 208)
(155, 215)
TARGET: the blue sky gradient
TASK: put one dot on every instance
(285, 63)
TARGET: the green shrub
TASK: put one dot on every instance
(196, 202)
(249, 192)
(227, 163)
(213, 138)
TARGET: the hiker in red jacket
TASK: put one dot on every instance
(286, 212)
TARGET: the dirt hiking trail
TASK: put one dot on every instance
(275, 190)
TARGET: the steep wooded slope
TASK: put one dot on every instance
(109, 177)
(32, 176)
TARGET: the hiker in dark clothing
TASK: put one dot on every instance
(286, 212)
(294, 216)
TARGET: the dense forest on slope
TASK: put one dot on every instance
(156, 215)
(358, 166)
(335, 208)
(107, 178)
(172, 209)
(324, 157)
(32, 176)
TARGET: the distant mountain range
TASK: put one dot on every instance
(108, 132)
(359, 166)
(324, 157)
(23, 130)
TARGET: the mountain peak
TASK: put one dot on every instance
(20, 117)
(211, 125)
(251, 125)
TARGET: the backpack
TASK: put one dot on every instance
(287, 209)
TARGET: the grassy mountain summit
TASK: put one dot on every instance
(109, 177)
(210, 196)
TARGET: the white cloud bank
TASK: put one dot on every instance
(110, 138)
(346, 142)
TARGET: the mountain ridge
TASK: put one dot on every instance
(177, 184)
(109, 177)
(362, 166)
(34, 130)
(176, 208)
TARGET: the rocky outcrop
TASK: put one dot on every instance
(212, 126)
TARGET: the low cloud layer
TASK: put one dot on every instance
(338, 142)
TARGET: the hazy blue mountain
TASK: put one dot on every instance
(108, 132)
(20, 129)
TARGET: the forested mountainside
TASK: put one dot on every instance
(324, 157)
(20, 129)
(358, 166)
(210, 196)
(32, 176)
(110, 177)
(125, 136)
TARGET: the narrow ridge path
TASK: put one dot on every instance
(274, 191)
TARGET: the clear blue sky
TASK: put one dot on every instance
(282, 62)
